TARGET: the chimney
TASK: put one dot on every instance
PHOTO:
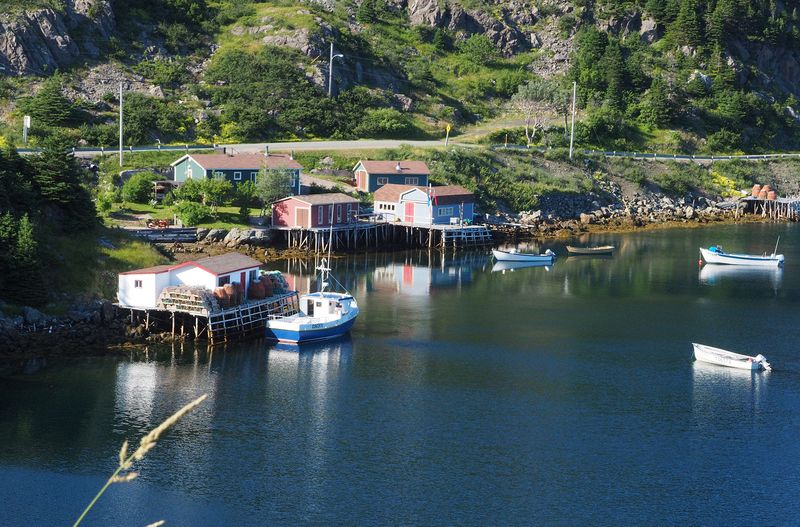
(398, 167)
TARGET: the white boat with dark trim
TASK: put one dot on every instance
(581, 251)
(323, 315)
(513, 256)
(730, 359)
(715, 255)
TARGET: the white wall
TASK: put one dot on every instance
(144, 296)
(192, 275)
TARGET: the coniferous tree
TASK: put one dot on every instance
(24, 284)
(365, 14)
(656, 110)
(615, 75)
(49, 106)
(688, 26)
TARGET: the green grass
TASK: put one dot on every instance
(227, 217)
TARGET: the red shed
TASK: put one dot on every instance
(314, 210)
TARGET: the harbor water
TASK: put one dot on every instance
(465, 395)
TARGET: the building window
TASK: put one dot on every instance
(445, 211)
(338, 213)
(237, 176)
(217, 173)
(349, 212)
(137, 284)
(253, 275)
(253, 176)
(382, 180)
(189, 173)
(412, 181)
(222, 280)
(320, 213)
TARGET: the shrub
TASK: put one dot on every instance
(478, 49)
(139, 188)
(384, 122)
(191, 213)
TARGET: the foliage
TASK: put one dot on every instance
(191, 213)
(272, 185)
(190, 190)
(215, 191)
(49, 106)
(149, 118)
(478, 49)
(384, 122)
(533, 100)
(139, 187)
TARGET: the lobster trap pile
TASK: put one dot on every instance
(191, 299)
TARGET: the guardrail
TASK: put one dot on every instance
(146, 148)
(651, 155)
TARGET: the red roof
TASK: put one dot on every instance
(410, 168)
(443, 194)
(325, 198)
(243, 161)
(216, 265)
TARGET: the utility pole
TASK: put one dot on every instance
(120, 124)
(330, 70)
(572, 132)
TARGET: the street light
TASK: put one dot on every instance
(330, 70)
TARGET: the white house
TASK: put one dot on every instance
(140, 288)
(423, 205)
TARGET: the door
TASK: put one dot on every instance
(310, 309)
(302, 218)
(242, 278)
(410, 212)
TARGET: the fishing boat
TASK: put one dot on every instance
(602, 249)
(513, 256)
(322, 315)
(723, 357)
(715, 255)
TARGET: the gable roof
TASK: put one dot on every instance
(216, 265)
(322, 199)
(242, 161)
(444, 194)
(407, 168)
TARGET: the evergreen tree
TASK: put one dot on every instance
(440, 40)
(655, 108)
(24, 284)
(615, 76)
(49, 107)
(688, 26)
(365, 14)
(657, 9)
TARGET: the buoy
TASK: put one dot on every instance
(700, 262)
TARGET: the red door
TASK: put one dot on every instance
(242, 280)
(410, 212)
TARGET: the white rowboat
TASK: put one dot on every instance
(723, 357)
(715, 255)
(604, 249)
(513, 256)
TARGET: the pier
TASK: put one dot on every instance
(374, 234)
(779, 208)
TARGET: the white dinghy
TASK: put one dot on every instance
(513, 256)
(723, 357)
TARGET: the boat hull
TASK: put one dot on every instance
(505, 256)
(607, 249)
(299, 332)
(722, 357)
(741, 259)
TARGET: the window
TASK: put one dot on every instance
(237, 176)
(412, 181)
(189, 173)
(320, 213)
(218, 173)
(445, 211)
(338, 213)
(382, 180)
(223, 280)
(253, 176)
(253, 275)
(349, 211)
(137, 284)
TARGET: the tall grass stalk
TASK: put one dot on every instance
(123, 473)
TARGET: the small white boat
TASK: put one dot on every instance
(715, 255)
(513, 256)
(603, 249)
(723, 357)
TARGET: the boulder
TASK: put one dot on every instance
(689, 213)
(33, 316)
(202, 233)
(586, 219)
(216, 235)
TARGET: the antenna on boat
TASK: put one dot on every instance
(776, 245)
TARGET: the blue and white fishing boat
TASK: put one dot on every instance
(715, 255)
(322, 315)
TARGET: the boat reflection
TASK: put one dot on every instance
(711, 274)
(511, 266)
(717, 391)
(331, 351)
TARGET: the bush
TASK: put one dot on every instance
(384, 122)
(139, 188)
(190, 190)
(478, 49)
(191, 213)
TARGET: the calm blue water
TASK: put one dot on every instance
(565, 396)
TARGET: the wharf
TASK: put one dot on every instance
(374, 234)
(779, 208)
(216, 325)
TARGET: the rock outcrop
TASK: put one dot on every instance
(43, 40)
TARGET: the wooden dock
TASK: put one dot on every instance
(168, 235)
(221, 325)
(776, 209)
(351, 236)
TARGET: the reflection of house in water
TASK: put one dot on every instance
(422, 280)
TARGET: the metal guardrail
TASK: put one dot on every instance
(651, 155)
(114, 150)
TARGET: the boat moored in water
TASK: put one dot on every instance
(513, 256)
(323, 315)
(715, 255)
(730, 359)
(602, 249)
